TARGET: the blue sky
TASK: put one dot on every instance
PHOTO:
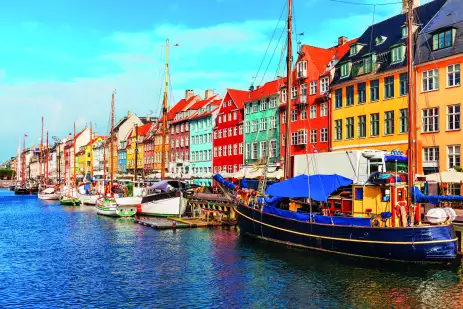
(61, 59)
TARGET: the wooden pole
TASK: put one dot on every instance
(91, 151)
(136, 154)
(111, 159)
(46, 162)
(289, 61)
(41, 157)
(411, 111)
(74, 155)
(164, 116)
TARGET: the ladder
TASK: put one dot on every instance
(263, 182)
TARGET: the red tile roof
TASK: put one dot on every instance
(179, 106)
(238, 96)
(202, 103)
(142, 130)
(80, 133)
(215, 104)
(95, 139)
(266, 90)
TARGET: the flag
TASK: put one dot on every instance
(25, 135)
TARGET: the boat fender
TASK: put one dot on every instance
(451, 214)
(375, 221)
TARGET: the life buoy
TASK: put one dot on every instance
(400, 203)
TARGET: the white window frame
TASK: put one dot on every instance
(313, 87)
(454, 71)
(453, 117)
(323, 135)
(430, 115)
(430, 80)
(324, 84)
(302, 69)
(263, 124)
(263, 149)
(313, 111)
(453, 152)
(313, 136)
(254, 151)
(323, 109)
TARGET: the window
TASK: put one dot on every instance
(431, 80)
(200, 124)
(353, 50)
(293, 115)
(313, 87)
(443, 39)
(389, 87)
(273, 149)
(368, 63)
(453, 117)
(362, 126)
(229, 116)
(220, 133)
(338, 129)
(389, 122)
(273, 122)
(273, 102)
(313, 136)
(453, 75)
(254, 107)
(345, 70)
(209, 153)
(338, 98)
(247, 109)
(302, 69)
(254, 151)
(215, 134)
(283, 140)
(254, 126)
(362, 93)
(248, 151)
(404, 31)
(177, 129)
(293, 92)
(374, 90)
(349, 127)
(323, 135)
(235, 149)
(304, 113)
(263, 149)
(235, 115)
(374, 124)
(224, 133)
(229, 150)
(323, 109)
(235, 131)
(313, 111)
(453, 153)
(431, 155)
(215, 151)
(403, 121)
(398, 54)
(324, 85)
(241, 130)
(431, 119)
(262, 105)
(349, 95)
(241, 148)
(230, 131)
(304, 89)
(247, 126)
(263, 124)
(403, 81)
(283, 95)
(283, 117)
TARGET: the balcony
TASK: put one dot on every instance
(301, 100)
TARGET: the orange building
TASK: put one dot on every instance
(439, 92)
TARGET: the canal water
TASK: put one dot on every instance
(53, 257)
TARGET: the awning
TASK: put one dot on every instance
(446, 177)
(315, 187)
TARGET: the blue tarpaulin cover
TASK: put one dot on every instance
(221, 180)
(244, 183)
(316, 187)
(161, 185)
(393, 158)
(286, 213)
(419, 197)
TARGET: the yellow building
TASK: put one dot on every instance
(139, 132)
(89, 156)
(369, 92)
(439, 95)
(80, 161)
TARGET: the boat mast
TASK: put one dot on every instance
(46, 162)
(164, 115)
(111, 144)
(23, 165)
(74, 155)
(18, 162)
(136, 153)
(411, 105)
(91, 150)
(104, 164)
(41, 157)
(289, 61)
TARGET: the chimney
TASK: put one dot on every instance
(405, 5)
(189, 93)
(208, 94)
(129, 114)
(343, 39)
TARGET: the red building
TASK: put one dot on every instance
(227, 140)
(148, 150)
(310, 100)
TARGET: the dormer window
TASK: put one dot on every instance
(345, 69)
(397, 53)
(404, 31)
(380, 40)
(354, 49)
(302, 69)
(443, 39)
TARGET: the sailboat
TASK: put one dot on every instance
(394, 233)
(70, 193)
(106, 205)
(21, 189)
(47, 192)
(171, 201)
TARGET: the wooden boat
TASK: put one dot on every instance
(49, 194)
(69, 201)
(109, 207)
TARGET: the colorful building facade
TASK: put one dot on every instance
(122, 157)
(228, 132)
(439, 92)
(370, 88)
(262, 125)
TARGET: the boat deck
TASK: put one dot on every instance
(181, 223)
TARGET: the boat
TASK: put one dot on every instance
(107, 205)
(49, 194)
(379, 219)
(139, 191)
(21, 188)
(69, 201)
(169, 202)
(11, 188)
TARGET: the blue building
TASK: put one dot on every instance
(122, 158)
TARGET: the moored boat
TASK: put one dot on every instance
(49, 194)
(109, 207)
(69, 201)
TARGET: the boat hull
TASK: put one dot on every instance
(49, 197)
(417, 244)
(70, 202)
(164, 207)
(111, 209)
(21, 191)
(128, 201)
(88, 199)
